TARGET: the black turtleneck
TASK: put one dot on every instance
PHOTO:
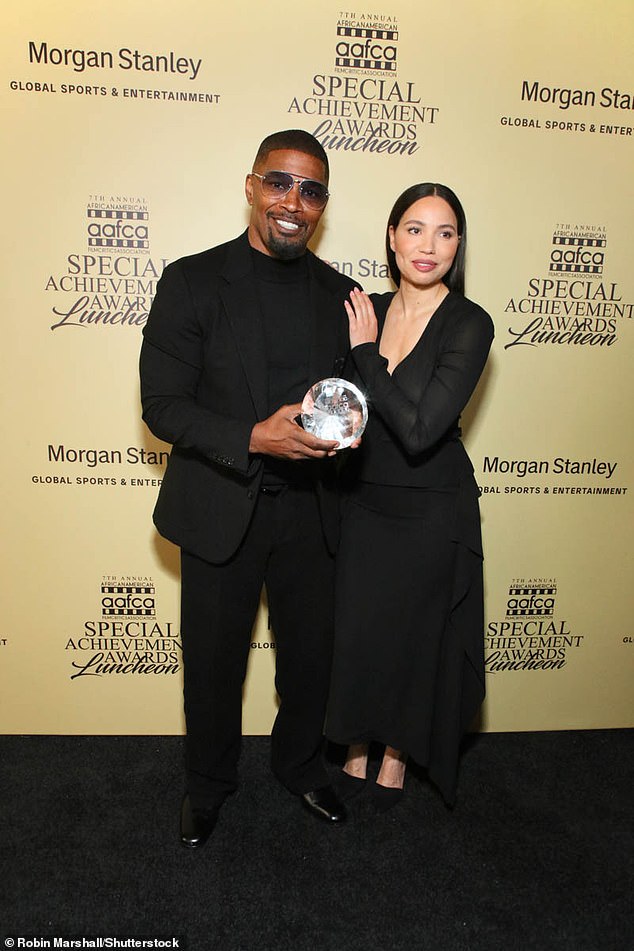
(282, 289)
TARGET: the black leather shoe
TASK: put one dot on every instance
(325, 804)
(196, 824)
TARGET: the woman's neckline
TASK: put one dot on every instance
(417, 343)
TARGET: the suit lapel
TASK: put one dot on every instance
(243, 311)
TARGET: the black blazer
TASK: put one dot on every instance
(204, 386)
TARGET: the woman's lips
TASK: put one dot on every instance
(424, 265)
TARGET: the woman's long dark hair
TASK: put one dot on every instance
(454, 278)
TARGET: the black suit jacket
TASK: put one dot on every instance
(204, 386)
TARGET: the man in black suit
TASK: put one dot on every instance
(235, 337)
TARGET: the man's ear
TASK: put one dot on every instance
(248, 188)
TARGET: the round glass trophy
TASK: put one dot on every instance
(335, 409)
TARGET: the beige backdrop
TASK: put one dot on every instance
(131, 128)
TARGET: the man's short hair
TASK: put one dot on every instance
(294, 140)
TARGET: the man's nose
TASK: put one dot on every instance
(291, 199)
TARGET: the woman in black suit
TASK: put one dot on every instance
(409, 670)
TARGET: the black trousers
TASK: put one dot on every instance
(284, 549)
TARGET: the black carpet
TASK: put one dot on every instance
(537, 853)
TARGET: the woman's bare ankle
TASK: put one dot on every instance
(392, 772)
(357, 761)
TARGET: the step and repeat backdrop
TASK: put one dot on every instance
(130, 129)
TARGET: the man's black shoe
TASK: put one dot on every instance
(325, 804)
(196, 824)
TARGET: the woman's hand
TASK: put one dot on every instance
(361, 319)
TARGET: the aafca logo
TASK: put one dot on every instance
(128, 597)
(574, 305)
(118, 223)
(127, 638)
(111, 283)
(578, 249)
(530, 637)
(531, 600)
(366, 42)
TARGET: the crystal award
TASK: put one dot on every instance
(335, 409)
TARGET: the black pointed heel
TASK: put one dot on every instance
(385, 798)
(350, 786)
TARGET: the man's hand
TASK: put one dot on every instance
(280, 436)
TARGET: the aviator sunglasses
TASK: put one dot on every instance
(276, 185)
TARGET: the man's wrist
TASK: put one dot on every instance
(254, 445)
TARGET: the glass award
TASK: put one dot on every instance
(335, 409)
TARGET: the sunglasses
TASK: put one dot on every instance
(276, 185)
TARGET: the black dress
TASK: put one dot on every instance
(408, 663)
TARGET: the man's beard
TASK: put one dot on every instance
(287, 248)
